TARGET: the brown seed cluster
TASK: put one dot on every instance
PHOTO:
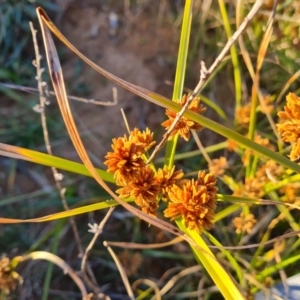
(244, 223)
(130, 170)
(9, 279)
(289, 124)
(290, 193)
(166, 179)
(143, 189)
(218, 166)
(254, 187)
(193, 200)
(232, 145)
(268, 107)
(126, 159)
(242, 115)
(261, 141)
(184, 125)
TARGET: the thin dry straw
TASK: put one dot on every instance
(80, 99)
(121, 270)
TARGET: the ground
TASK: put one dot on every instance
(141, 51)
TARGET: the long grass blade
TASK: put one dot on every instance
(180, 73)
(223, 280)
(50, 161)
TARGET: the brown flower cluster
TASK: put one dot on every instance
(144, 189)
(232, 145)
(270, 171)
(218, 166)
(289, 126)
(268, 107)
(242, 114)
(244, 223)
(166, 179)
(193, 200)
(126, 159)
(261, 141)
(130, 170)
(291, 193)
(9, 279)
(184, 125)
(254, 187)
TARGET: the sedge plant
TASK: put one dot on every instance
(269, 174)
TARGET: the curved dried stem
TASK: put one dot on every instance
(121, 271)
(60, 263)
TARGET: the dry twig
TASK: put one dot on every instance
(28, 89)
(97, 230)
(121, 270)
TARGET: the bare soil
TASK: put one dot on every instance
(142, 50)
